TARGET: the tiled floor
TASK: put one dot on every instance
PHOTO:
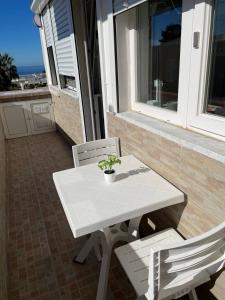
(41, 245)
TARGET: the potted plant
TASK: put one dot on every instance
(107, 166)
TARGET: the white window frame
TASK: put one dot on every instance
(196, 17)
(45, 54)
(197, 119)
(53, 48)
(179, 117)
(107, 55)
(72, 37)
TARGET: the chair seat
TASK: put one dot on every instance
(134, 257)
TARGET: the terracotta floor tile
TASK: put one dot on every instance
(41, 245)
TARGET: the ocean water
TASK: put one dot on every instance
(27, 70)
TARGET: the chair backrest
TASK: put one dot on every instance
(95, 151)
(186, 265)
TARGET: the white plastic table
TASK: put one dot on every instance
(93, 206)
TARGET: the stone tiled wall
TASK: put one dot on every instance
(202, 179)
(3, 227)
(67, 115)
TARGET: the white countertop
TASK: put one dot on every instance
(91, 204)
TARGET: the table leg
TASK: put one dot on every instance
(98, 252)
(117, 234)
(105, 265)
(107, 238)
(91, 243)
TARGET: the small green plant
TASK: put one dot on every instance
(107, 164)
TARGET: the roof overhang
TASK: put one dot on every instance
(38, 5)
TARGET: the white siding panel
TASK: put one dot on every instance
(47, 28)
(62, 34)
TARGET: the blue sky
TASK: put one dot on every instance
(18, 35)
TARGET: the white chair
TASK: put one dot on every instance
(91, 152)
(95, 151)
(164, 266)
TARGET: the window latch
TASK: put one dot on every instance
(196, 39)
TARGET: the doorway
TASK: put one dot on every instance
(86, 36)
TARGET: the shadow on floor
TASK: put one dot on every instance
(41, 246)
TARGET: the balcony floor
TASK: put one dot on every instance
(41, 246)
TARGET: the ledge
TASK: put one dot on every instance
(26, 95)
(205, 145)
(56, 91)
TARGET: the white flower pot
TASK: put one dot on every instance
(110, 176)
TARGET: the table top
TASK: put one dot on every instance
(91, 204)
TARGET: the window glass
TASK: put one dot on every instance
(159, 35)
(215, 97)
(52, 65)
(68, 82)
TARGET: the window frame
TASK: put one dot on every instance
(197, 119)
(179, 117)
(52, 66)
(73, 43)
(65, 85)
(47, 8)
(196, 17)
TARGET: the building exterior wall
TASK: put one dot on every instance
(3, 227)
(68, 117)
(202, 179)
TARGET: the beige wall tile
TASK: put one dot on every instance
(201, 179)
(67, 115)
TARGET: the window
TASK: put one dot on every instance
(170, 61)
(158, 53)
(206, 103)
(215, 96)
(52, 66)
(148, 46)
(68, 82)
(60, 42)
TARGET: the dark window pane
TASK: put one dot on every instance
(159, 35)
(52, 66)
(215, 99)
(67, 82)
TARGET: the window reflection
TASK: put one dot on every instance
(157, 27)
(215, 100)
(159, 35)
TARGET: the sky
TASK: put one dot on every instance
(162, 20)
(18, 35)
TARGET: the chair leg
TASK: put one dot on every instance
(192, 295)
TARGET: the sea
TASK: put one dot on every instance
(28, 70)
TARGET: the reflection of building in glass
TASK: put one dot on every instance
(162, 70)
(216, 89)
